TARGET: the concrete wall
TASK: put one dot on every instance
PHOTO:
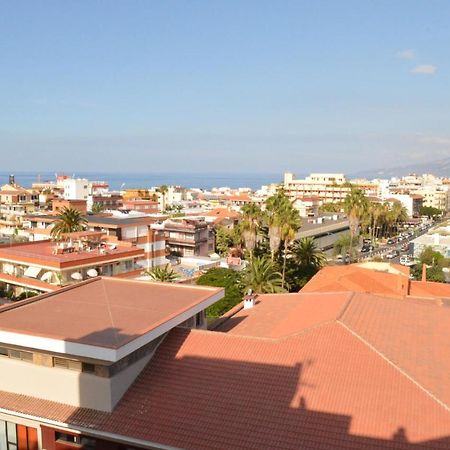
(58, 385)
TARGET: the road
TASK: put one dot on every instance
(385, 249)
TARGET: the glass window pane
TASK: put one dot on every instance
(11, 428)
(3, 434)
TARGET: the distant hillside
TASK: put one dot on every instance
(439, 168)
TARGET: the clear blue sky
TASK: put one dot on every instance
(241, 86)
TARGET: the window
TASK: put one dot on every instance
(14, 437)
(84, 442)
(70, 364)
(88, 368)
(24, 356)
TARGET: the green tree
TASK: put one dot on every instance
(356, 207)
(305, 260)
(430, 212)
(276, 205)
(344, 244)
(251, 216)
(431, 257)
(290, 224)
(261, 277)
(226, 238)
(228, 279)
(163, 189)
(165, 274)
(307, 254)
(97, 208)
(69, 221)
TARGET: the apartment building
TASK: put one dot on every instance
(15, 203)
(75, 188)
(59, 204)
(187, 237)
(82, 348)
(328, 187)
(133, 228)
(139, 205)
(46, 266)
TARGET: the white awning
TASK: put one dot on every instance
(32, 272)
(92, 273)
(77, 276)
(47, 276)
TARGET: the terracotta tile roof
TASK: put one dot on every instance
(414, 334)
(277, 315)
(358, 278)
(429, 289)
(104, 312)
(325, 389)
(222, 213)
(335, 371)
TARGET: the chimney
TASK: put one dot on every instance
(250, 299)
(12, 180)
(424, 272)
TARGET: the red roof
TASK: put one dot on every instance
(325, 389)
(359, 278)
(105, 312)
(334, 371)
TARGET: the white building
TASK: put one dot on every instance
(75, 188)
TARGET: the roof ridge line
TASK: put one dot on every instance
(395, 366)
(272, 339)
(114, 329)
(346, 306)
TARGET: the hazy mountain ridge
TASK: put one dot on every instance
(439, 168)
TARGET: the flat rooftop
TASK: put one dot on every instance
(106, 313)
(43, 252)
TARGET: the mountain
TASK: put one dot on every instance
(439, 168)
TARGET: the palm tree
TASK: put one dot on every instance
(261, 277)
(290, 223)
(251, 215)
(69, 221)
(275, 205)
(97, 208)
(163, 189)
(165, 274)
(355, 206)
(307, 254)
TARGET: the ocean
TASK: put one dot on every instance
(125, 180)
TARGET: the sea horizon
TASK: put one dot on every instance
(128, 180)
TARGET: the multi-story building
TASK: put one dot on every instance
(133, 228)
(46, 266)
(15, 203)
(75, 188)
(411, 202)
(328, 187)
(59, 204)
(107, 201)
(187, 237)
(139, 205)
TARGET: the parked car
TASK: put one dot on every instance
(367, 248)
(393, 254)
(391, 241)
(406, 260)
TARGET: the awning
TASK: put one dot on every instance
(32, 272)
(47, 276)
(77, 276)
(92, 273)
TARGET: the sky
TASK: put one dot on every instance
(223, 86)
